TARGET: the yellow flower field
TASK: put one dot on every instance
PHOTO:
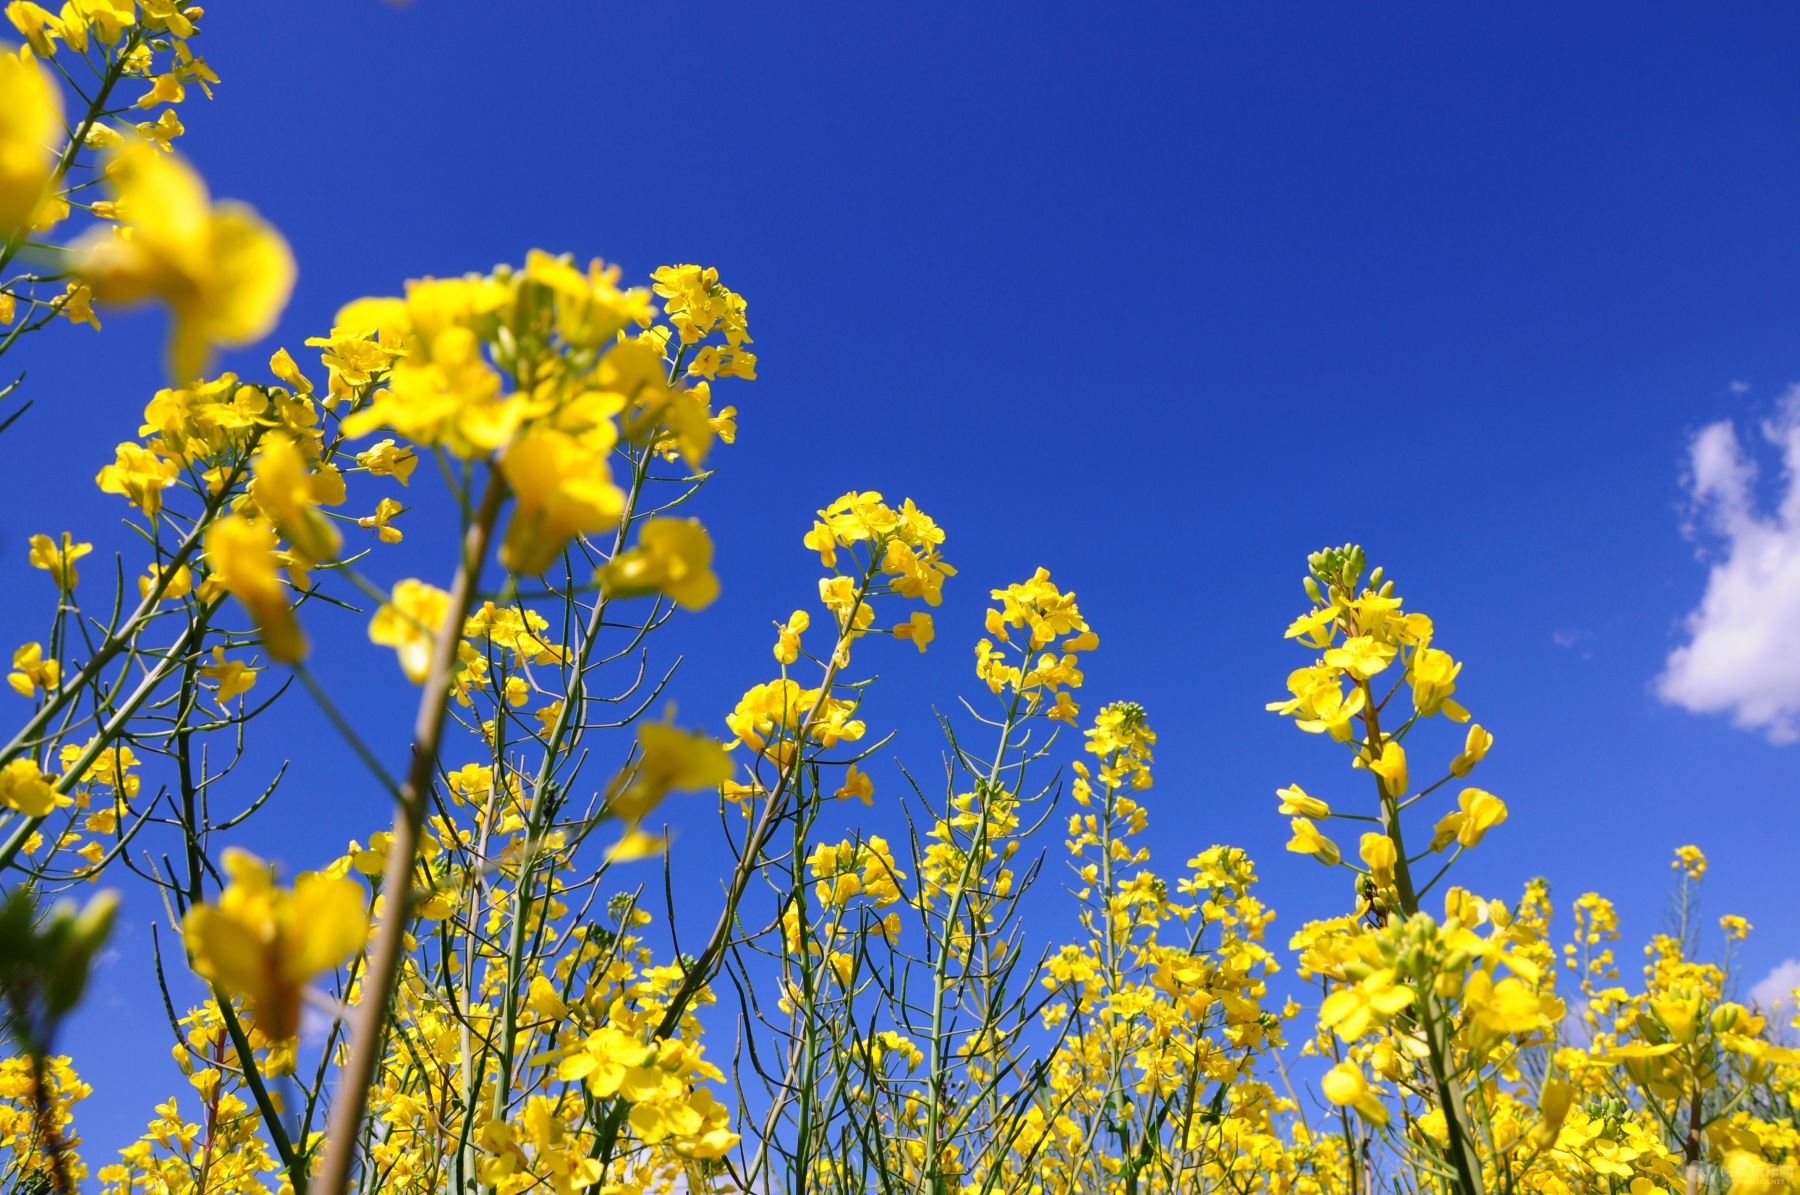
(496, 987)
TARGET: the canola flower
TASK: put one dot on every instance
(224, 273)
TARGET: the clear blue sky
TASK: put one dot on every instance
(1159, 296)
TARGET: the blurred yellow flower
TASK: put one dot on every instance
(266, 943)
(409, 623)
(241, 554)
(224, 272)
(673, 558)
(31, 126)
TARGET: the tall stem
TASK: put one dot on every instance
(382, 975)
(1449, 1092)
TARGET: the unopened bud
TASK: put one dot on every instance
(1553, 1107)
(77, 938)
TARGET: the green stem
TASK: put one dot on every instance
(389, 949)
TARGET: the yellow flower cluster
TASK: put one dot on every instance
(1362, 632)
(1044, 670)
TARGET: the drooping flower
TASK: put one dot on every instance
(241, 554)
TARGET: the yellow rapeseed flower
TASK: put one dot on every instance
(224, 272)
(31, 125)
(241, 554)
(409, 623)
(266, 943)
(673, 557)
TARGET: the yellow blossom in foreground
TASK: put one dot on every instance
(563, 488)
(1362, 656)
(24, 788)
(1317, 628)
(1507, 1007)
(241, 554)
(139, 476)
(234, 678)
(1355, 1011)
(381, 522)
(1475, 749)
(1345, 1086)
(612, 1063)
(697, 303)
(1390, 765)
(266, 943)
(1296, 802)
(671, 760)
(409, 623)
(1308, 841)
(1377, 851)
(384, 458)
(1433, 675)
(1479, 812)
(590, 307)
(289, 490)
(856, 784)
(673, 557)
(179, 585)
(787, 641)
(31, 126)
(224, 272)
(917, 628)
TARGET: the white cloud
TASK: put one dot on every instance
(1775, 993)
(1742, 656)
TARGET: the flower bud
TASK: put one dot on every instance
(1553, 1107)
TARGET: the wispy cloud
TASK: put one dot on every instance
(1742, 655)
(1774, 994)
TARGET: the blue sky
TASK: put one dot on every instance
(1161, 298)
